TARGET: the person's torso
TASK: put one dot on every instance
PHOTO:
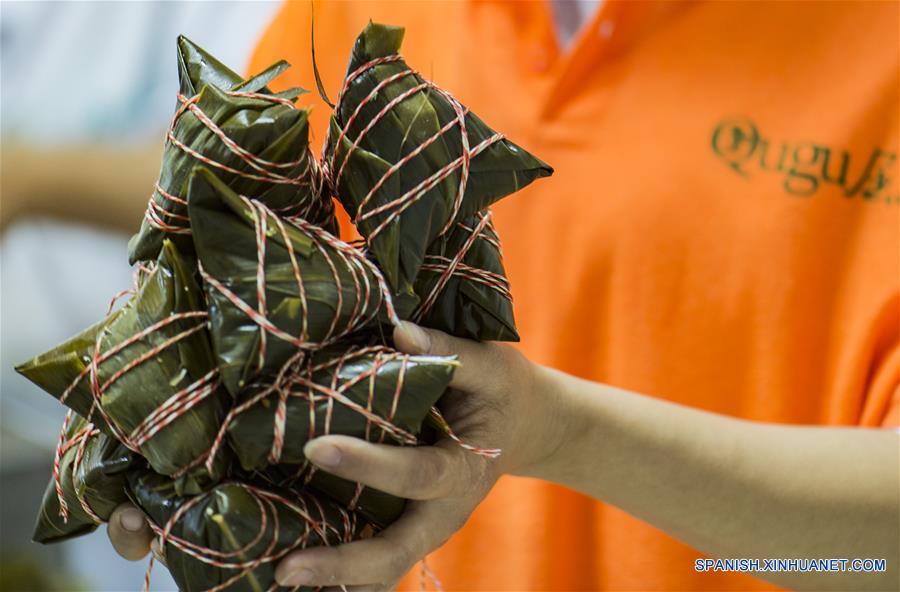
(721, 230)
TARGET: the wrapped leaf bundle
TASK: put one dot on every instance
(286, 339)
(257, 141)
(374, 393)
(275, 287)
(462, 285)
(87, 485)
(149, 374)
(376, 507)
(407, 160)
(231, 537)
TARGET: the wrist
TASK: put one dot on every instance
(552, 424)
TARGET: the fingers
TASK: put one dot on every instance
(359, 563)
(420, 473)
(476, 359)
(377, 563)
(129, 533)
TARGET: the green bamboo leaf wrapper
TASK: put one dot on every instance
(376, 507)
(172, 289)
(197, 67)
(499, 170)
(397, 388)
(98, 478)
(272, 131)
(243, 520)
(226, 243)
(55, 370)
(140, 391)
(475, 303)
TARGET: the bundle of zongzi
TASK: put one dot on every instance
(256, 140)
(407, 160)
(252, 328)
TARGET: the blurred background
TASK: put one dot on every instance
(87, 90)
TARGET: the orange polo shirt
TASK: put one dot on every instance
(721, 231)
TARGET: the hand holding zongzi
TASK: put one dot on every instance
(496, 401)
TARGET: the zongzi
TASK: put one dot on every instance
(88, 482)
(373, 392)
(231, 537)
(275, 287)
(407, 160)
(256, 140)
(462, 285)
(149, 375)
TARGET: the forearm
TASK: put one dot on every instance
(101, 185)
(733, 488)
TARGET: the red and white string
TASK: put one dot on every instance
(344, 262)
(170, 214)
(334, 168)
(306, 507)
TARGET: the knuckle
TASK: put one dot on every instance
(326, 571)
(477, 472)
(463, 472)
(438, 343)
(509, 370)
(401, 560)
(337, 565)
(501, 356)
(432, 476)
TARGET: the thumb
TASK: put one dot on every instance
(129, 533)
(413, 339)
(473, 357)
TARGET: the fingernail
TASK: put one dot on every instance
(323, 454)
(416, 335)
(131, 520)
(300, 577)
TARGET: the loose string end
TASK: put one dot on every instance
(312, 39)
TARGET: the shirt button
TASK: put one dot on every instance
(540, 59)
(606, 29)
